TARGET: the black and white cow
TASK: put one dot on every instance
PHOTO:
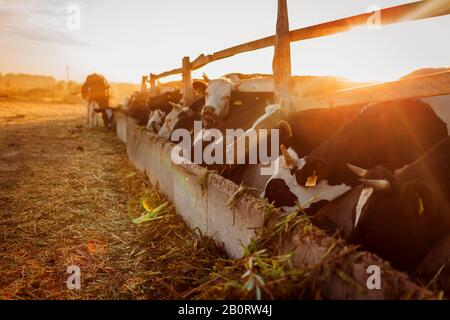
(222, 107)
(181, 118)
(226, 107)
(392, 134)
(141, 104)
(400, 215)
(156, 120)
(302, 131)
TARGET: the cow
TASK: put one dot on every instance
(236, 109)
(391, 134)
(155, 121)
(175, 115)
(226, 107)
(135, 107)
(141, 104)
(95, 90)
(220, 92)
(400, 215)
(181, 117)
(302, 130)
(92, 120)
(107, 114)
(245, 109)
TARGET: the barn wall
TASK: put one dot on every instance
(205, 207)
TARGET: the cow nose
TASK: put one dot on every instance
(208, 109)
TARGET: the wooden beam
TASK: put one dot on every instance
(188, 90)
(429, 85)
(407, 12)
(153, 85)
(169, 73)
(282, 57)
(144, 83)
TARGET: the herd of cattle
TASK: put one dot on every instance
(378, 174)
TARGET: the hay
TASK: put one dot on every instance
(265, 273)
(69, 199)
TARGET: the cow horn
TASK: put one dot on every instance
(380, 185)
(205, 77)
(175, 105)
(287, 156)
(360, 172)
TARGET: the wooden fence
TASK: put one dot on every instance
(282, 61)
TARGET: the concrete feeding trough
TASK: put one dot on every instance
(204, 207)
(201, 206)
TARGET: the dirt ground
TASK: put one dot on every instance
(67, 197)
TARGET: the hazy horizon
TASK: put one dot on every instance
(124, 40)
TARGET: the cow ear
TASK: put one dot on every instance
(314, 170)
(417, 199)
(176, 106)
(205, 77)
(285, 130)
(199, 86)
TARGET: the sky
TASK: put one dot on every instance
(126, 39)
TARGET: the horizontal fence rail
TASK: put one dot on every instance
(402, 13)
(435, 84)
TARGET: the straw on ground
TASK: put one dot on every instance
(68, 197)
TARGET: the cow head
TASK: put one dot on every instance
(410, 198)
(301, 182)
(395, 217)
(178, 117)
(155, 121)
(200, 86)
(217, 101)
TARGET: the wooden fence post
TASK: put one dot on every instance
(144, 84)
(282, 59)
(188, 92)
(153, 87)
